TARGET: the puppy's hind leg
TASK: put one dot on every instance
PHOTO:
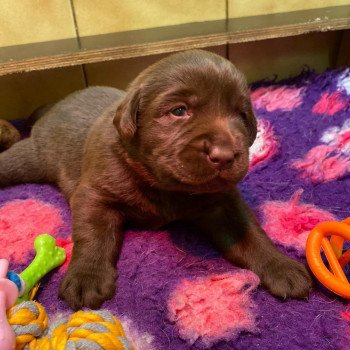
(9, 135)
(20, 164)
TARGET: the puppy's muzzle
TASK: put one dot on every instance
(221, 151)
(222, 157)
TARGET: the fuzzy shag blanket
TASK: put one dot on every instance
(174, 290)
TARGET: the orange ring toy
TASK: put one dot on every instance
(329, 236)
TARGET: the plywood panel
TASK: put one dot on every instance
(121, 72)
(286, 57)
(21, 93)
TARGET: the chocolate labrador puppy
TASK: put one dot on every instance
(174, 146)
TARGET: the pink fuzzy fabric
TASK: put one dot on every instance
(213, 308)
(274, 98)
(329, 103)
(21, 221)
(67, 245)
(140, 340)
(344, 139)
(329, 161)
(339, 137)
(344, 82)
(289, 223)
(322, 164)
(346, 316)
(265, 145)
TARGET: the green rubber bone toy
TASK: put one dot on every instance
(48, 256)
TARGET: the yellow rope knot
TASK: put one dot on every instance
(28, 320)
(90, 330)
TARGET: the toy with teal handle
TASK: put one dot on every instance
(48, 256)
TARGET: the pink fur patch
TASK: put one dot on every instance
(140, 340)
(289, 223)
(322, 164)
(338, 137)
(344, 82)
(346, 317)
(273, 98)
(210, 309)
(21, 221)
(67, 245)
(329, 161)
(329, 103)
(265, 144)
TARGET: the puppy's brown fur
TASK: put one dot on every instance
(173, 147)
(8, 135)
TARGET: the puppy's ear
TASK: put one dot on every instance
(125, 119)
(252, 126)
(249, 119)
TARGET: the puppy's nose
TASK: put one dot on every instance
(222, 158)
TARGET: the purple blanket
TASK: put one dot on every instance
(174, 290)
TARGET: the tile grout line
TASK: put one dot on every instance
(226, 28)
(78, 40)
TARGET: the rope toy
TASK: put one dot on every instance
(88, 330)
(15, 288)
(28, 321)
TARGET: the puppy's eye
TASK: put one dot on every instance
(179, 111)
(243, 115)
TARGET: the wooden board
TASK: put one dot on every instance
(138, 43)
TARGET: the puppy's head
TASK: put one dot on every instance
(189, 122)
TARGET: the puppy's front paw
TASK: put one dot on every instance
(86, 285)
(285, 277)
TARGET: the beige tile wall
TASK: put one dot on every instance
(31, 21)
(106, 16)
(244, 8)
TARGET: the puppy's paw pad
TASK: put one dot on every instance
(286, 278)
(86, 286)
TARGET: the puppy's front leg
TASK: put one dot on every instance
(97, 237)
(236, 233)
